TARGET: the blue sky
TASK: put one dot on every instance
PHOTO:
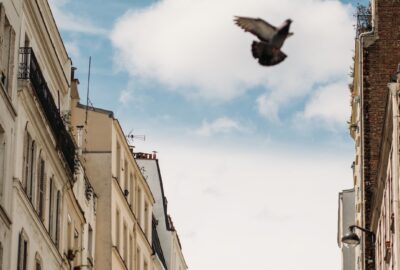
(180, 72)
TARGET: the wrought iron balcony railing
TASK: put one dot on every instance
(29, 69)
(364, 19)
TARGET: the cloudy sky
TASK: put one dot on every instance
(252, 158)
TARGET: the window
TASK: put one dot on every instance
(146, 219)
(57, 232)
(77, 246)
(126, 180)
(1, 256)
(131, 190)
(125, 242)
(51, 205)
(7, 34)
(90, 242)
(54, 210)
(117, 232)
(138, 259)
(139, 206)
(118, 162)
(41, 189)
(22, 251)
(29, 166)
(69, 232)
(130, 255)
(2, 160)
(38, 262)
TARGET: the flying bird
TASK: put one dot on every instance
(268, 49)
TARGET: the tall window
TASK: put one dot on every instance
(90, 242)
(7, 34)
(2, 160)
(22, 251)
(130, 254)
(29, 165)
(118, 162)
(41, 189)
(69, 233)
(38, 262)
(54, 210)
(117, 230)
(138, 261)
(58, 205)
(1, 256)
(126, 173)
(139, 206)
(146, 219)
(125, 241)
(131, 190)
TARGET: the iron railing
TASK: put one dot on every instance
(29, 69)
(364, 19)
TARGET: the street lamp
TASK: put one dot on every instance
(352, 239)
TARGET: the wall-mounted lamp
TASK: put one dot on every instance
(352, 239)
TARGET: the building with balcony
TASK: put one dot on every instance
(170, 243)
(124, 211)
(46, 217)
(373, 126)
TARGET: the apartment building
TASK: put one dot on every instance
(170, 243)
(373, 125)
(125, 205)
(44, 215)
(9, 28)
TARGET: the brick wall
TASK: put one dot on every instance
(380, 62)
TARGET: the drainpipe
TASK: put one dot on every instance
(361, 91)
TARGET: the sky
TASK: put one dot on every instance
(252, 157)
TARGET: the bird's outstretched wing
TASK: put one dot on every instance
(258, 27)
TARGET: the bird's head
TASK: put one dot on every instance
(288, 21)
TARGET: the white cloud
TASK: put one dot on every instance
(193, 47)
(125, 96)
(329, 105)
(70, 22)
(220, 125)
(272, 198)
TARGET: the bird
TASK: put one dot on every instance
(268, 49)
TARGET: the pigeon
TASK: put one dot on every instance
(268, 49)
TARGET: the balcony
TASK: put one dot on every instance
(364, 19)
(29, 69)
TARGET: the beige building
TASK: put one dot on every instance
(46, 215)
(124, 211)
(72, 195)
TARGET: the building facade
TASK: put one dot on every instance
(72, 195)
(170, 242)
(45, 212)
(374, 128)
(125, 206)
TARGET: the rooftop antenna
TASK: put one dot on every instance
(131, 137)
(87, 92)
